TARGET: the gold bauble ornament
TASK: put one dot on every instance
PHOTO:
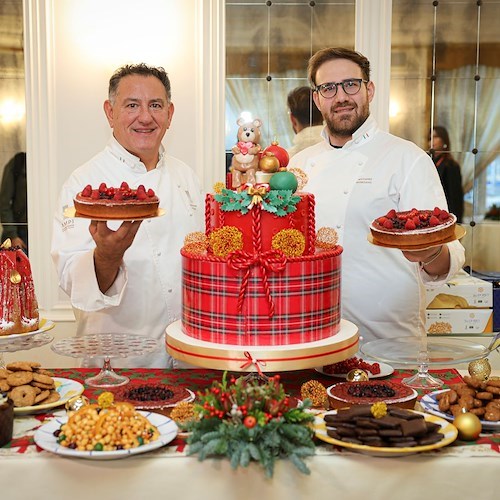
(357, 375)
(468, 425)
(480, 368)
(77, 402)
(269, 163)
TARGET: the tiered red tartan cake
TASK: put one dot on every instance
(258, 277)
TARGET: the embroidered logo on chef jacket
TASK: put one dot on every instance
(364, 180)
(67, 224)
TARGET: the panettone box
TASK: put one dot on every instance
(450, 321)
(461, 292)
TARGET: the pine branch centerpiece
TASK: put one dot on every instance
(247, 420)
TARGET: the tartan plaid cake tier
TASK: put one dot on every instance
(260, 303)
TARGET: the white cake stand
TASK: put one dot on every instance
(239, 358)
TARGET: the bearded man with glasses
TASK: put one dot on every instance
(358, 173)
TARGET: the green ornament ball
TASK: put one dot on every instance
(284, 181)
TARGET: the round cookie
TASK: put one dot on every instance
(4, 385)
(19, 378)
(20, 366)
(4, 373)
(23, 395)
(41, 398)
(43, 379)
(52, 398)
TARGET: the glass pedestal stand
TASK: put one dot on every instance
(24, 345)
(106, 346)
(415, 351)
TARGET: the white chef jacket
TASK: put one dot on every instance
(382, 292)
(305, 138)
(146, 295)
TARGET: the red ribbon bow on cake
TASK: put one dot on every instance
(272, 260)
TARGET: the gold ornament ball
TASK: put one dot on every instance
(357, 375)
(468, 425)
(480, 368)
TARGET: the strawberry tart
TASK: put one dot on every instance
(116, 203)
(413, 227)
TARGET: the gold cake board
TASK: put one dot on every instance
(342, 345)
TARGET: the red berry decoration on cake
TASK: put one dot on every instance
(413, 227)
(116, 202)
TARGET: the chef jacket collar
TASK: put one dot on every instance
(363, 133)
(128, 158)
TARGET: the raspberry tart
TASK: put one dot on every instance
(116, 203)
(413, 227)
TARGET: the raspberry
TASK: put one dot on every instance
(410, 225)
(434, 221)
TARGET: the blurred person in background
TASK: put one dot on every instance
(448, 170)
(306, 118)
(13, 202)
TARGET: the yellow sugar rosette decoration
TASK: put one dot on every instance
(106, 399)
(290, 241)
(379, 410)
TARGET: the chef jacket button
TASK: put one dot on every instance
(360, 163)
(169, 290)
(158, 253)
(346, 191)
(339, 226)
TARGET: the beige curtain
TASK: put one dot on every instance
(471, 114)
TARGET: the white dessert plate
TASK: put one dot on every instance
(450, 434)
(44, 326)
(385, 371)
(430, 405)
(70, 213)
(66, 388)
(459, 233)
(44, 437)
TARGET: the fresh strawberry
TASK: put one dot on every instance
(87, 191)
(391, 214)
(444, 215)
(436, 211)
(118, 196)
(102, 187)
(434, 221)
(141, 187)
(95, 194)
(388, 224)
(124, 186)
(151, 193)
(416, 221)
(410, 225)
(141, 195)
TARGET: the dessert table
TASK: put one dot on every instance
(461, 470)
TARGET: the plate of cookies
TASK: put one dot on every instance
(399, 433)
(438, 403)
(33, 389)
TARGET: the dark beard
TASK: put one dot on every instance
(346, 127)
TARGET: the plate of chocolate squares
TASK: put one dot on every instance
(399, 432)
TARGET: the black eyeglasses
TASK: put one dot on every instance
(350, 86)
